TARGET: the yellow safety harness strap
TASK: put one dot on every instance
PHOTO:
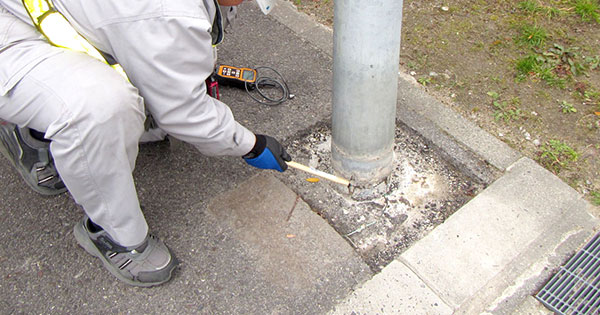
(59, 32)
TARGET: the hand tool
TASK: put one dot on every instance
(313, 171)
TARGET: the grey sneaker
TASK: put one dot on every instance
(31, 157)
(147, 265)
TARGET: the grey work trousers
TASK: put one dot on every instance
(94, 118)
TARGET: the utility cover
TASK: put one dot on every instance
(574, 289)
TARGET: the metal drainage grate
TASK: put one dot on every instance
(575, 288)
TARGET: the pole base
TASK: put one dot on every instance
(363, 170)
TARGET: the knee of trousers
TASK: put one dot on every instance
(115, 107)
(107, 110)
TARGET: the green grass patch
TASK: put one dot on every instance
(527, 65)
(529, 6)
(567, 107)
(532, 35)
(424, 80)
(556, 155)
(588, 10)
(595, 198)
(591, 96)
(538, 66)
(556, 65)
(547, 73)
(593, 62)
(534, 7)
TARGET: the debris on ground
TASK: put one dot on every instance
(382, 221)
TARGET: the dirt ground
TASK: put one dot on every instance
(528, 72)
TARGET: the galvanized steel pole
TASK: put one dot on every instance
(366, 54)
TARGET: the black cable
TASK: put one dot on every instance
(262, 82)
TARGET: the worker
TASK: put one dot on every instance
(92, 117)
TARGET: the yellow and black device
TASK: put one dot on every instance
(263, 84)
(230, 75)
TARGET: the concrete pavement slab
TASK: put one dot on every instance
(502, 239)
(294, 250)
(396, 290)
(531, 306)
(290, 249)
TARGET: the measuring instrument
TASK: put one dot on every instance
(264, 84)
(230, 75)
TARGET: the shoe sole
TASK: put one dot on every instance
(84, 241)
(4, 137)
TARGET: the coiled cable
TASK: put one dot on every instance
(262, 91)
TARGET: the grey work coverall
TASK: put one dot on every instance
(94, 117)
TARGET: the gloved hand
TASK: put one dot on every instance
(267, 153)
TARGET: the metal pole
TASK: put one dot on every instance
(366, 52)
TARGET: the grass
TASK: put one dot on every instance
(557, 155)
(588, 10)
(529, 6)
(595, 198)
(567, 107)
(424, 80)
(592, 97)
(558, 62)
(534, 65)
(527, 65)
(534, 7)
(504, 110)
(569, 58)
(593, 62)
(556, 65)
(532, 35)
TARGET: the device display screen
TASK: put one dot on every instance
(248, 75)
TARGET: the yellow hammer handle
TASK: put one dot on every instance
(313, 171)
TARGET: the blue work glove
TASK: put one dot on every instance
(267, 153)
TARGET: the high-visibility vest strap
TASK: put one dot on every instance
(59, 32)
(37, 8)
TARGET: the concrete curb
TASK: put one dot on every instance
(488, 253)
